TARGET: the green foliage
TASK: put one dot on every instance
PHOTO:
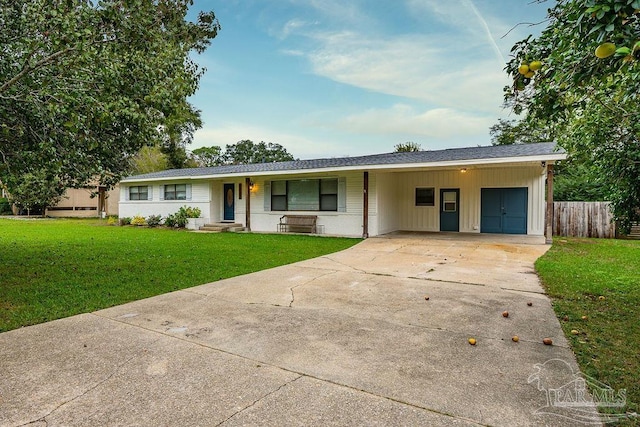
(208, 156)
(575, 273)
(241, 153)
(125, 220)
(148, 159)
(84, 85)
(112, 220)
(154, 220)
(246, 152)
(179, 219)
(578, 182)
(5, 207)
(138, 220)
(507, 132)
(58, 268)
(178, 135)
(407, 147)
(189, 212)
(175, 221)
(36, 190)
(589, 103)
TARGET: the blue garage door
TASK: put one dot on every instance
(504, 210)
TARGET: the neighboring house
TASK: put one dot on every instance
(496, 189)
(77, 202)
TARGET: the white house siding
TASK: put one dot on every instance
(347, 223)
(387, 200)
(397, 208)
(391, 199)
(200, 198)
(218, 199)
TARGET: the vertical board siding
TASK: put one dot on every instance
(427, 218)
(387, 197)
(583, 219)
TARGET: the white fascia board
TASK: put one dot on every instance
(389, 167)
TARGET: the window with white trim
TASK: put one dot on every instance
(139, 192)
(175, 192)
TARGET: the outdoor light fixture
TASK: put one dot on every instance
(463, 170)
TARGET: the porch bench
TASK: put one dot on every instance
(298, 223)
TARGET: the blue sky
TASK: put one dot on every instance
(334, 78)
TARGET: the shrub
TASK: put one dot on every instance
(138, 220)
(154, 220)
(125, 220)
(176, 220)
(189, 212)
(112, 220)
(5, 207)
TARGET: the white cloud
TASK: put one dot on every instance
(401, 119)
(449, 71)
(292, 26)
(457, 64)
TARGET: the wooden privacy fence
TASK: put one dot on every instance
(583, 219)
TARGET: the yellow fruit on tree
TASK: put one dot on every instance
(529, 74)
(523, 69)
(605, 50)
(535, 65)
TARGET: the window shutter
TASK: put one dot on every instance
(188, 191)
(150, 192)
(161, 192)
(126, 193)
(342, 194)
(267, 196)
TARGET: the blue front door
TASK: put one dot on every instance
(229, 202)
(450, 209)
(503, 210)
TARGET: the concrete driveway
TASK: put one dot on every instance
(344, 339)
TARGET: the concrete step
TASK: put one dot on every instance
(222, 227)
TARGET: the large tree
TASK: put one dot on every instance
(85, 84)
(581, 79)
(149, 159)
(575, 180)
(246, 152)
(208, 156)
(508, 132)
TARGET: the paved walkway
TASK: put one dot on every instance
(344, 339)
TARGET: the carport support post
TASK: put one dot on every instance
(365, 207)
(247, 185)
(549, 217)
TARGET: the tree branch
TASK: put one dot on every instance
(38, 64)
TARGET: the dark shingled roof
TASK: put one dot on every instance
(448, 155)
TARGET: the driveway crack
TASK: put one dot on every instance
(84, 393)
(259, 399)
(293, 297)
(351, 267)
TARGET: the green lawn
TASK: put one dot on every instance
(57, 268)
(599, 279)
